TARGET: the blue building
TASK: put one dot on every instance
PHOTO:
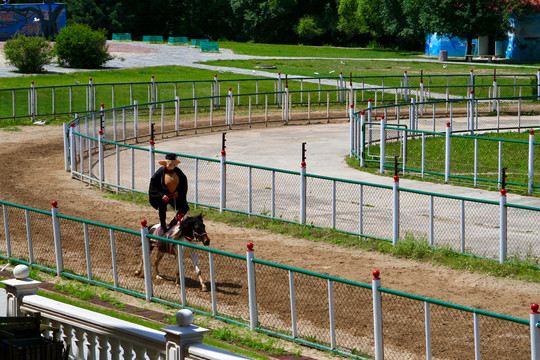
(31, 19)
(522, 44)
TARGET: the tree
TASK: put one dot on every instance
(104, 14)
(361, 17)
(307, 28)
(266, 21)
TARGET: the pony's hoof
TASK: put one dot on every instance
(158, 277)
(204, 289)
(137, 273)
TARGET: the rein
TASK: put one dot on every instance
(195, 237)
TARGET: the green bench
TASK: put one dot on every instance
(209, 46)
(197, 42)
(121, 36)
(178, 40)
(152, 38)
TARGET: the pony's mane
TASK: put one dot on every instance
(186, 223)
(189, 221)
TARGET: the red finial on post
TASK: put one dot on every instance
(369, 100)
(382, 117)
(54, 204)
(230, 89)
(405, 71)
(376, 275)
(100, 132)
(250, 246)
(448, 124)
(472, 92)
(531, 132)
(90, 79)
(152, 142)
(396, 178)
(352, 106)
(362, 112)
(32, 82)
(222, 152)
(144, 223)
(471, 70)
(503, 192)
(152, 76)
(102, 105)
(534, 308)
(72, 124)
(303, 164)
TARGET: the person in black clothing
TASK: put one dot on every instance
(168, 186)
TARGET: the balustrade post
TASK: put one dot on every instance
(179, 337)
(17, 288)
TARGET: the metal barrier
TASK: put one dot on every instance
(37, 101)
(310, 308)
(421, 139)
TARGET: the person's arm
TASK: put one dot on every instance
(155, 189)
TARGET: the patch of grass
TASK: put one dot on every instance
(231, 335)
(11, 129)
(462, 161)
(250, 48)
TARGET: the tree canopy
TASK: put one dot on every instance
(400, 24)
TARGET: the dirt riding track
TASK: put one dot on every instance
(33, 175)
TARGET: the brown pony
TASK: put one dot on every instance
(190, 229)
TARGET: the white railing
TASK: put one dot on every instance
(90, 335)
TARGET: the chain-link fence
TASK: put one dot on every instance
(310, 308)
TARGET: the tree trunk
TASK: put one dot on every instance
(469, 45)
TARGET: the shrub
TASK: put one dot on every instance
(307, 28)
(28, 54)
(78, 46)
